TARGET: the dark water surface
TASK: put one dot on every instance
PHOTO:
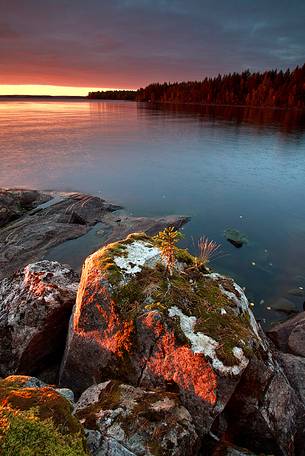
(225, 167)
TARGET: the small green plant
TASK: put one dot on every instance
(208, 250)
(167, 240)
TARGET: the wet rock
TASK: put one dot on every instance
(35, 307)
(125, 420)
(61, 217)
(35, 419)
(64, 216)
(235, 237)
(289, 336)
(193, 333)
(284, 305)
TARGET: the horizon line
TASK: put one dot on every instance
(49, 90)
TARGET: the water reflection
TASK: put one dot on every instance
(284, 120)
(225, 167)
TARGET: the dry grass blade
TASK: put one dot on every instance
(208, 250)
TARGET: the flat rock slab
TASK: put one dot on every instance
(33, 222)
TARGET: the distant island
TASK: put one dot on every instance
(274, 88)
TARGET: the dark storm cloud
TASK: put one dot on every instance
(128, 43)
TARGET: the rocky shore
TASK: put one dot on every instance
(127, 361)
(33, 222)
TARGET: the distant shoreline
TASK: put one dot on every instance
(189, 104)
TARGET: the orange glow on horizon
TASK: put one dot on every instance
(28, 89)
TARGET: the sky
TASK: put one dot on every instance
(73, 46)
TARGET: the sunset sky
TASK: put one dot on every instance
(82, 45)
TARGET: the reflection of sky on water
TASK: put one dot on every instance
(225, 168)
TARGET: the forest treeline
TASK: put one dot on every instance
(113, 95)
(275, 88)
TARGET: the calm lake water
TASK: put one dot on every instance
(224, 167)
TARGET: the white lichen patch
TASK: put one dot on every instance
(136, 255)
(206, 345)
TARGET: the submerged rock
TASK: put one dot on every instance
(299, 292)
(192, 333)
(35, 419)
(35, 307)
(284, 305)
(235, 237)
(125, 420)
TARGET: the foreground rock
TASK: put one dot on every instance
(194, 334)
(290, 336)
(36, 420)
(35, 307)
(294, 368)
(127, 421)
(265, 413)
(32, 229)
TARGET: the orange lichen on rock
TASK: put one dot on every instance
(177, 363)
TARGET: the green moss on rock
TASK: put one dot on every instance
(190, 288)
(23, 433)
(37, 421)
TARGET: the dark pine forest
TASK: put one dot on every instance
(275, 88)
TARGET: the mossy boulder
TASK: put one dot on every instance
(129, 420)
(37, 420)
(192, 333)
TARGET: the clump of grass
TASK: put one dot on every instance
(23, 433)
(167, 240)
(208, 250)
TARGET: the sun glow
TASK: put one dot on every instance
(28, 89)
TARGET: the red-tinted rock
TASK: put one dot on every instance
(35, 306)
(192, 333)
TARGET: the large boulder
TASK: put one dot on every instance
(191, 333)
(37, 420)
(35, 307)
(265, 413)
(129, 421)
(289, 336)
(294, 368)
